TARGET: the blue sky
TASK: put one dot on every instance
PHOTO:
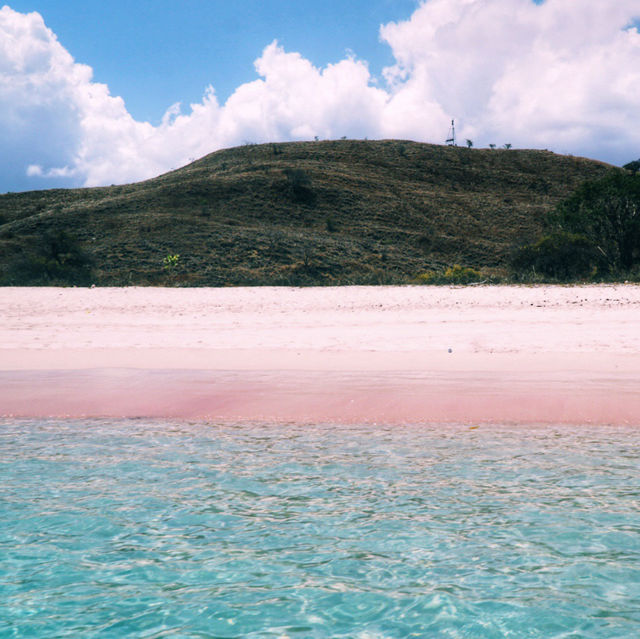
(117, 91)
(154, 53)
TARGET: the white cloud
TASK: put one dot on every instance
(560, 75)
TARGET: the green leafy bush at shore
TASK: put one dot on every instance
(171, 261)
(593, 233)
(607, 213)
(559, 255)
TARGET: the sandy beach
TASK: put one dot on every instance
(374, 354)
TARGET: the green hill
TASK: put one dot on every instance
(335, 212)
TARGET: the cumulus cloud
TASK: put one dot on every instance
(563, 75)
(559, 75)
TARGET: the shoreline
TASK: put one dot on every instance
(308, 397)
(356, 354)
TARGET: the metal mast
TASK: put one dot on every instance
(451, 139)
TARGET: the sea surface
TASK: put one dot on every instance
(166, 529)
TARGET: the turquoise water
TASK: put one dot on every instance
(158, 529)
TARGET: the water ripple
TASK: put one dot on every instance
(156, 529)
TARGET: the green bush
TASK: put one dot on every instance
(560, 256)
(593, 233)
(428, 277)
(607, 213)
(455, 274)
(170, 262)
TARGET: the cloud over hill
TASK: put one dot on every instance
(558, 75)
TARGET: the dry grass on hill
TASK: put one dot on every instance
(335, 212)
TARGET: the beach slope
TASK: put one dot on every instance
(368, 354)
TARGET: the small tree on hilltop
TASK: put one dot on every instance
(634, 166)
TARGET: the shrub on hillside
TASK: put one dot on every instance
(331, 226)
(300, 186)
(56, 258)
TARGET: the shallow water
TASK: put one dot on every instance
(158, 529)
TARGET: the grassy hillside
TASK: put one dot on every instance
(332, 212)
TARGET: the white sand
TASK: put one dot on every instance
(579, 345)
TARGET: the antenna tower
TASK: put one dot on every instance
(451, 139)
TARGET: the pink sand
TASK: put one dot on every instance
(375, 354)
